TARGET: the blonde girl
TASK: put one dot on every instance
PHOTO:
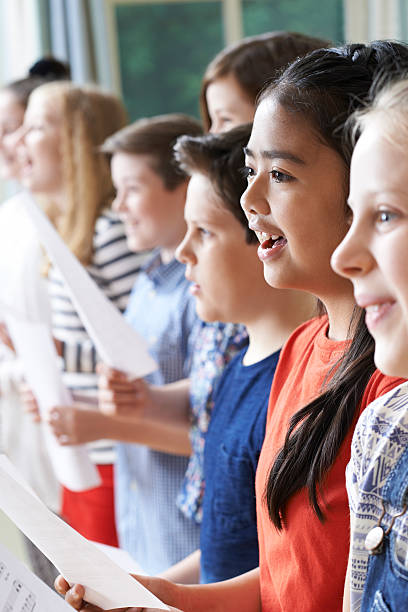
(63, 127)
(374, 256)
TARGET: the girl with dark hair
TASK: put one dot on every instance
(297, 168)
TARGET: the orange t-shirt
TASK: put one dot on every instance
(302, 567)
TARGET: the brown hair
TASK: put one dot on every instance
(221, 158)
(156, 137)
(254, 61)
(43, 71)
(88, 116)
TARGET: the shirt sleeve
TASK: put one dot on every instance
(114, 268)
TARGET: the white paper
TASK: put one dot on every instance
(117, 343)
(122, 558)
(22, 591)
(35, 348)
(77, 559)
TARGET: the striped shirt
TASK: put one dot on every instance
(114, 269)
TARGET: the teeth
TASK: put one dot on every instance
(275, 237)
(373, 308)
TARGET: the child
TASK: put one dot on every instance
(230, 85)
(374, 256)
(63, 126)
(23, 288)
(297, 167)
(150, 199)
(220, 254)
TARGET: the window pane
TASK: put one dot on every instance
(164, 50)
(323, 19)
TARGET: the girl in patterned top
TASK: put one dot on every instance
(374, 256)
(63, 127)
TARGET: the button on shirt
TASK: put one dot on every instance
(151, 527)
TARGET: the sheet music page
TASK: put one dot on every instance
(22, 591)
(78, 560)
(34, 346)
(117, 343)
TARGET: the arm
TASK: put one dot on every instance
(241, 593)
(165, 430)
(186, 571)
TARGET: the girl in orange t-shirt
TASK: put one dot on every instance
(297, 168)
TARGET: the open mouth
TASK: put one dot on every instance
(273, 242)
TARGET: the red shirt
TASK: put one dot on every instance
(302, 567)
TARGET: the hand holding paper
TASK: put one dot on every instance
(36, 350)
(78, 560)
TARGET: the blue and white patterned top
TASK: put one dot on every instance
(151, 527)
(380, 438)
(216, 345)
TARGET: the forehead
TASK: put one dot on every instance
(132, 164)
(276, 128)
(203, 200)
(44, 105)
(9, 102)
(225, 91)
(379, 163)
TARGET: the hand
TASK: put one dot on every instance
(74, 595)
(5, 338)
(29, 402)
(120, 396)
(74, 424)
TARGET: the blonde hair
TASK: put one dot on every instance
(88, 116)
(391, 105)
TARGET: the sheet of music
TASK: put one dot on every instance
(22, 591)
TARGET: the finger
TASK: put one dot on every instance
(104, 370)
(116, 385)
(74, 596)
(61, 585)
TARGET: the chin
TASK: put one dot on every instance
(205, 314)
(391, 364)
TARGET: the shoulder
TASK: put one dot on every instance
(301, 343)
(379, 385)
(108, 227)
(305, 334)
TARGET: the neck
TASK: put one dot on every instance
(339, 310)
(167, 255)
(282, 312)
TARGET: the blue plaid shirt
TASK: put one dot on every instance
(151, 526)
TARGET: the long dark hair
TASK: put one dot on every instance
(326, 86)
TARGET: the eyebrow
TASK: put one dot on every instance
(276, 154)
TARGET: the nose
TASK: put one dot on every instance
(352, 258)
(17, 137)
(119, 203)
(254, 200)
(184, 253)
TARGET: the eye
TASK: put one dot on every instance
(349, 215)
(384, 217)
(247, 172)
(280, 177)
(204, 232)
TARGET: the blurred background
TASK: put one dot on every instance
(154, 52)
